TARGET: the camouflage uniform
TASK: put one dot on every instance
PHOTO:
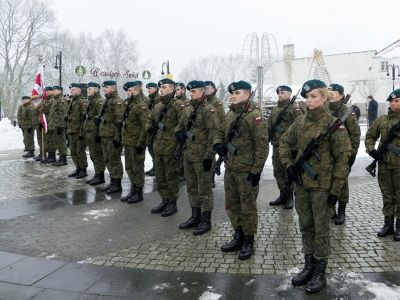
(153, 100)
(186, 101)
(38, 127)
(252, 152)
(25, 119)
(91, 132)
(312, 197)
(77, 143)
(388, 171)
(112, 112)
(56, 123)
(50, 135)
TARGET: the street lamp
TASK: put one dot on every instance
(393, 68)
(165, 63)
(58, 65)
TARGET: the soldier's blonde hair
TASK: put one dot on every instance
(325, 92)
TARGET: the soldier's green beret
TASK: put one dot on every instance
(336, 87)
(240, 85)
(78, 85)
(393, 95)
(57, 87)
(210, 83)
(25, 98)
(311, 85)
(194, 84)
(130, 84)
(181, 85)
(48, 88)
(151, 85)
(165, 81)
(283, 88)
(93, 84)
(109, 82)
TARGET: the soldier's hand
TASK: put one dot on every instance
(139, 150)
(116, 144)
(376, 155)
(352, 159)
(254, 178)
(59, 130)
(30, 130)
(291, 173)
(207, 164)
(180, 137)
(152, 130)
(97, 121)
(220, 149)
(332, 200)
(97, 139)
(119, 125)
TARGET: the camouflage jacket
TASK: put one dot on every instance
(219, 107)
(206, 131)
(334, 150)
(76, 115)
(135, 118)
(380, 128)
(252, 145)
(47, 104)
(112, 112)
(165, 141)
(351, 124)
(153, 100)
(291, 114)
(57, 113)
(93, 111)
(24, 116)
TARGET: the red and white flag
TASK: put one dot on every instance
(40, 91)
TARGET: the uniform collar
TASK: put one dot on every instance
(316, 114)
(283, 103)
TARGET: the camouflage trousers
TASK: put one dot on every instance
(167, 168)
(313, 210)
(198, 184)
(95, 152)
(51, 141)
(60, 143)
(134, 165)
(279, 170)
(29, 141)
(78, 150)
(112, 157)
(150, 141)
(241, 201)
(389, 183)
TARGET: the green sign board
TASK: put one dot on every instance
(146, 74)
(80, 70)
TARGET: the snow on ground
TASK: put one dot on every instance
(96, 213)
(10, 136)
(207, 295)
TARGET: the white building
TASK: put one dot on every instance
(365, 71)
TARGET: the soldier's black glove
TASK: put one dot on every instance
(152, 130)
(81, 137)
(254, 178)
(352, 159)
(97, 121)
(139, 150)
(180, 137)
(59, 130)
(119, 125)
(293, 153)
(332, 200)
(116, 144)
(376, 155)
(207, 164)
(291, 173)
(65, 118)
(97, 139)
(30, 130)
(220, 149)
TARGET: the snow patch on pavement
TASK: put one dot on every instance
(51, 256)
(161, 286)
(207, 295)
(96, 213)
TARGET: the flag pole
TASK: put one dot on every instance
(43, 150)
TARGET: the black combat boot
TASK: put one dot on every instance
(289, 201)
(247, 249)
(318, 280)
(388, 227)
(397, 233)
(194, 220)
(29, 154)
(151, 172)
(108, 186)
(204, 225)
(73, 174)
(38, 158)
(81, 174)
(91, 179)
(62, 161)
(130, 194)
(170, 209)
(341, 215)
(46, 157)
(52, 158)
(280, 200)
(306, 274)
(137, 197)
(236, 243)
(115, 186)
(98, 179)
(159, 208)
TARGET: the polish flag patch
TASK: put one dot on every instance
(258, 120)
(342, 128)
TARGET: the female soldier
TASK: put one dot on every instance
(388, 163)
(314, 195)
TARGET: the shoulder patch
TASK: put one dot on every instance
(144, 107)
(258, 120)
(212, 109)
(342, 128)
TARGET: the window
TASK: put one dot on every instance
(384, 66)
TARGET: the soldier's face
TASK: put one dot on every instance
(239, 96)
(151, 90)
(57, 92)
(210, 90)
(315, 99)
(336, 97)
(179, 91)
(395, 104)
(166, 89)
(75, 91)
(107, 89)
(196, 94)
(90, 92)
(49, 93)
(284, 95)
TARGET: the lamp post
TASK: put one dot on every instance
(165, 63)
(58, 66)
(393, 68)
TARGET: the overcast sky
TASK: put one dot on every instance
(183, 30)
